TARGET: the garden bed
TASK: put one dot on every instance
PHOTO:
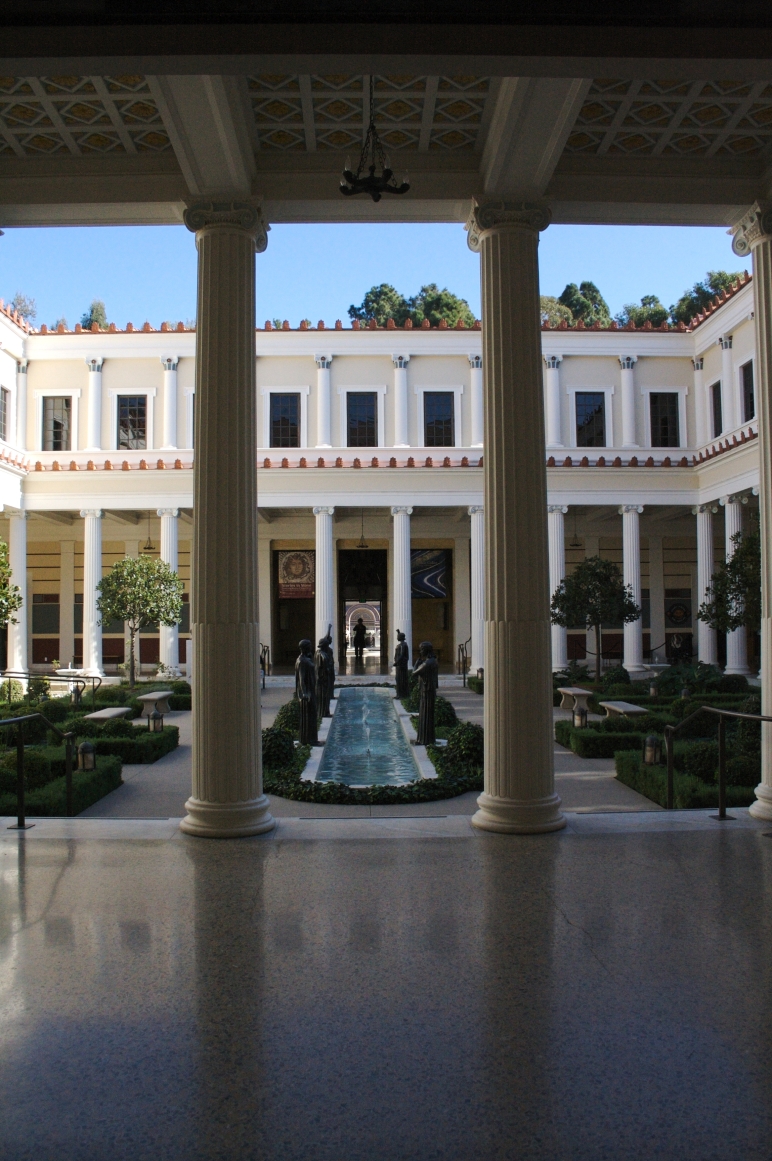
(88, 786)
(689, 792)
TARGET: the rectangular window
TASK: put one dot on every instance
(132, 422)
(718, 423)
(439, 419)
(663, 409)
(45, 613)
(185, 618)
(5, 403)
(77, 613)
(362, 418)
(285, 420)
(749, 399)
(590, 419)
(57, 412)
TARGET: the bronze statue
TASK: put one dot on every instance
(325, 674)
(401, 659)
(305, 691)
(427, 672)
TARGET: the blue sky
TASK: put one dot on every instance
(148, 273)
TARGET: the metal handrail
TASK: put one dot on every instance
(722, 815)
(68, 738)
(463, 658)
(77, 684)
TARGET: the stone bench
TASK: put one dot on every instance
(622, 708)
(158, 700)
(574, 697)
(109, 714)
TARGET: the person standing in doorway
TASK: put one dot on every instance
(360, 633)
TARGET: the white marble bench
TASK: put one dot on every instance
(109, 714)
(157, 700)
(623, 708)
(574, 697)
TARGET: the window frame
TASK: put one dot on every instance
(583, 389)
(368, 388)
(683, 432)
(743, 395)
(440, 388)
(714, 391)
(264, 441)
(137, 396)
(150, 393)
(277, 395)
(41, 393)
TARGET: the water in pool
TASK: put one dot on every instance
(366, 745)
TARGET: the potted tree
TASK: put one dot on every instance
(141, 592)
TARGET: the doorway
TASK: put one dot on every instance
(363, 592)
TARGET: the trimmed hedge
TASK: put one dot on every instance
(180, 701)
(689, 792)
(278, 749)
(143, 749)
(88, 787)
(477, 684)
(288, 717)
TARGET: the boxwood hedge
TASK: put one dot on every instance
(88, 787)
(689, 792)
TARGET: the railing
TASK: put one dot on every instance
(77, 684)
(722, 815)
(68, 739)
(463, 658)
(265, 661)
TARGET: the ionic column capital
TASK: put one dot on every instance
(552, 362)
(475, 362)
(627, 362)
(21, 366)
(559, 508)
(752, 229)
(167, 511)
(625, 509)
(725, 342)
(324, 510)
(503, 215)
(400, 361)
(401, 510)
(735, 498)
(699, 363)
(323, 362)
(704, 508)
(14, 513)
(97, 513)
(95, 365)
(170, 364)
(475, 508)
(228, 215)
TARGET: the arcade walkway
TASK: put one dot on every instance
(387, 989)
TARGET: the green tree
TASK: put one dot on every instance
(553, 311)
(594, 593)
(25, 306)
(734, 592)
(436, 304)
(140, 592)
(702, 294)
(650, 310)
(96, 313)
(586, 302)
(10, 594)
(381, 303)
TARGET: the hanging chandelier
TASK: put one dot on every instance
(362, 541)
(148, 546)
(370, 158)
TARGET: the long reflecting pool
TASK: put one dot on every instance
(366, 745)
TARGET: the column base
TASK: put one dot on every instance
(513, 816)
(762, 807)
(227, 819)
(741, 670)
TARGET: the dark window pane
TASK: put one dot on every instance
(749, 399)
(56, 422)
(362, 418)
(132, 422)
(664, 419)
(438, 419)
(77, 613)
(285, 420)
(590, 419)
(715, 394)
(45, 613)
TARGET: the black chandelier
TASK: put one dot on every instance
(371, 183)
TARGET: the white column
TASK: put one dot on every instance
(325, 586)
(66, 602)
(736, 641)
(701, 434)
(170, 634)
(401, 418)
(707, 650)
(519, 794)
(476, 397)
(753, 234)
(631, 571)
(657, 598)
(323, 418)
(728, 393)
(477, 513)
(403, 585)
(552, 408)
(92, 575)
(19, 432)
(17, 558)
(227, 799)
(627, 393)
(170, 403)
(557, 557)
(94, 409)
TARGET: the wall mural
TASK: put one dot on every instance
(430, 571)
(297, 573)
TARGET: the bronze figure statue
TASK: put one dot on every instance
(401, 660)
(427, 671)
(305, 691)
(324, 662)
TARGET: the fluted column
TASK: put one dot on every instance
(403, 583)
(17, 558)
(519, 794)
(557, 558)
(325, 584)
(93, 406)
(477, 551)
(323, 417)
(753, 234)
(631, 570)
(728, 393)
(170, 403)
(401, 420)
(227, 799)
(476, 398)
(552, 400)
(736, 641)
(170, 634)
(19, 433)
(707, 649)
(92, 575)
(702, 434)
(627, 393)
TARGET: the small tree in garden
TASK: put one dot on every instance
(140, 592)
(595, 592)
(10, 594)
(734, 592)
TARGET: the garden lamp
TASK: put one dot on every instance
(155, 722)
(86, 756)
(652, 751)
(652, 690)
(580, 718)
